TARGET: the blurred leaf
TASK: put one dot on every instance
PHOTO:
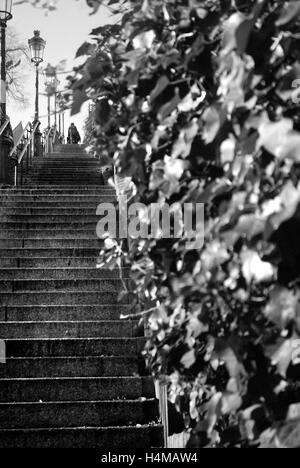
(291, 11)
(282, 307)
(188, 359)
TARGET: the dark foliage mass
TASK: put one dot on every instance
(197, 101)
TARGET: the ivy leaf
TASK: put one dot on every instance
(161, 85)
(169, 107)
(188, 359)
(254, 269)
(282, 307)
(79, 98)
(103, 110)
(85, 49)
(144, 40)
(95, 5)
(214, 411)
(212, 122)
(283, 356)
(229, 41)
(287, 203)
(291, 11)
(274, 135)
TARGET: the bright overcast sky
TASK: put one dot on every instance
(64, 30)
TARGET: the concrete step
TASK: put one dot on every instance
(62, 297)
(75, 158)
(37, 205)
(82, 182)
(48, 262)
(80, 193)
(38, 330)
(47, 199)
(75, 389)
(79, 414)
(59, 210)
(47, 226)
(60, 177)
(49, 252)
(48, 313)
(84, 191)
(89, 167)
(31, 218)
(40, 188)
(70, 367)
(56, 169)
(74, 347)
(58, 200)
(97, 438)
(70, 182)
(48, 285)
(66, 158)
(51, 243)
(79, 234)
(70, 176)
(37, 274)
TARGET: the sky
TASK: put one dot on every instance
(64, 31)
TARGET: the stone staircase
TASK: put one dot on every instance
(74, 377)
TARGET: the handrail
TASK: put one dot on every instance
(20, 157)
(4, 126)
(27, 147)
(19, 140)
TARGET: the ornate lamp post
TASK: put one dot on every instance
(37, 47)
(55, 101)
(50, 83)
(6, 141)
(62, 108)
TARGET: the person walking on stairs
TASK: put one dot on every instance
(73, 135)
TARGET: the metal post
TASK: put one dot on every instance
(55, 109)
(49, 110)
(36, 116)
(37, 136)
(63, 125)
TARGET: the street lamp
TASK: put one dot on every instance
(6, 140)
(37, 48)
(5, 15)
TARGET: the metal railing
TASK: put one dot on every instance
(23, 152)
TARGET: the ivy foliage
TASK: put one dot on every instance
(196, 101)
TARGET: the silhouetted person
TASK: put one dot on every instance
(73, 135)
